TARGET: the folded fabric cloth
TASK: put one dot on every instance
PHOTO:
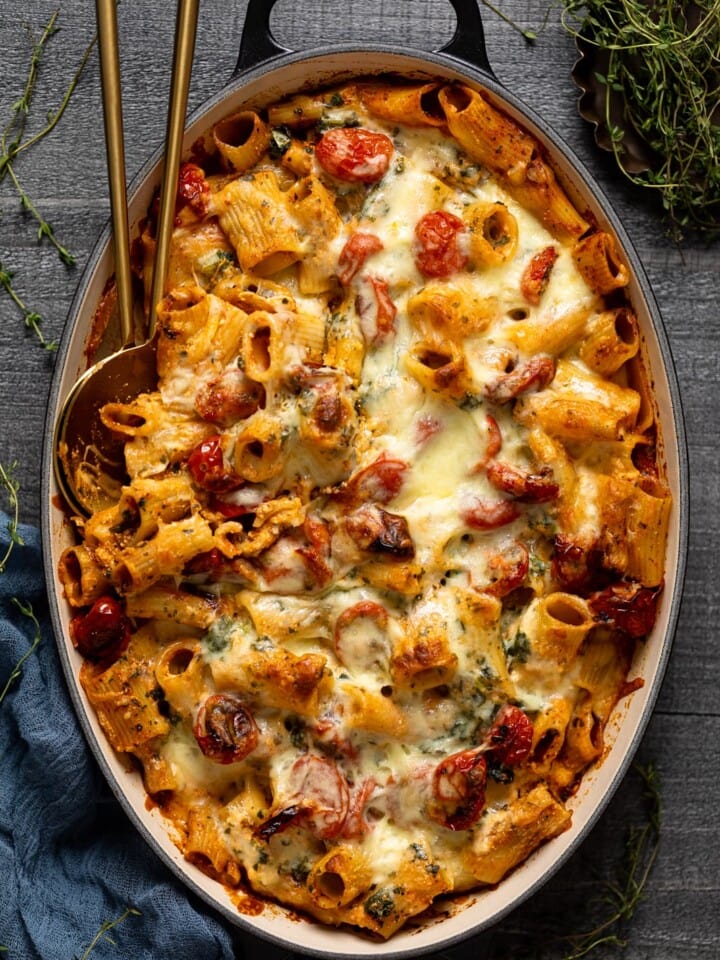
(70, 860)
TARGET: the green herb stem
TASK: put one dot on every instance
(27, 610)
(11, 487)
(31, 317)
(105, 929)
(13, 143)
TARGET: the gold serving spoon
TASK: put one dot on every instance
(88, 459)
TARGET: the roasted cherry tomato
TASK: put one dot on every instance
(379, 482)
(459, 789)
(225, 729)
(536, 275)
(526, 487)
(438, 252)
(319, 799)
(508, 569)
(354, 254)
(206, 464)
(482, 514)
(193, 189)
(378, 531)
(628, 606)
(535, 374)
(103, 633)
(376, 312)
(509, 739)
(354, 154)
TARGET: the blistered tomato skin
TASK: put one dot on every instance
(206, 464)
(438, 252)
(193, 188)
(510, 738)
(458, 787)
(103, 633)
(354, 154)
(225, 729)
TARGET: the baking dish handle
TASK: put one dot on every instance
(258, 46)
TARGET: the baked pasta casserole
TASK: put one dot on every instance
(393, 521)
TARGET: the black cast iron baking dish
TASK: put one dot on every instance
(265, 73)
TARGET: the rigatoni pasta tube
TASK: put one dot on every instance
(414, 104)
(258, 219)
(578, 406)
(512, 835)
(486, 134)
(241, 140)
(493, 233)
(450, 309)
(598, 260)
(339, 877)
(611, 339)
(562, 621)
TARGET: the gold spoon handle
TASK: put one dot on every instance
(185, 29)
(115, 147)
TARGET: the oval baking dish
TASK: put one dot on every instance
(266, 74)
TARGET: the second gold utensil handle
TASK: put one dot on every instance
(182, 68)
(106, 13)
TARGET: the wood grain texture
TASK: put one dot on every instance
(65, 175)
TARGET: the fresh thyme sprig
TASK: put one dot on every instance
(27, 610)
(622, 897)
(664, 62)
(13, 143)
(10, 485)
(107, 926)
(31, 317)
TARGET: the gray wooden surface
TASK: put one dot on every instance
(65, 175)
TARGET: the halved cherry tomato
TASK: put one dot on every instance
(534, 374)
(379, 482)
(509, 739)
(376, 313)
(354, 254)
(536, 275)
(438, 252)
(627, 605)
(481, 514)
(459, 789)
(225, 729)
(355, 649)
(207, 467)
(526, 487)
(319, 799)
(354, 154)
(192, 188)
(378, 531)
(508, 569)
(103, 633)
(426, 427)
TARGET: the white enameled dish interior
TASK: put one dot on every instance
(485, 907)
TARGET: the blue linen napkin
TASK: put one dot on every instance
(70, 860)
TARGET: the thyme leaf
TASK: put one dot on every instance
(664, 66)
